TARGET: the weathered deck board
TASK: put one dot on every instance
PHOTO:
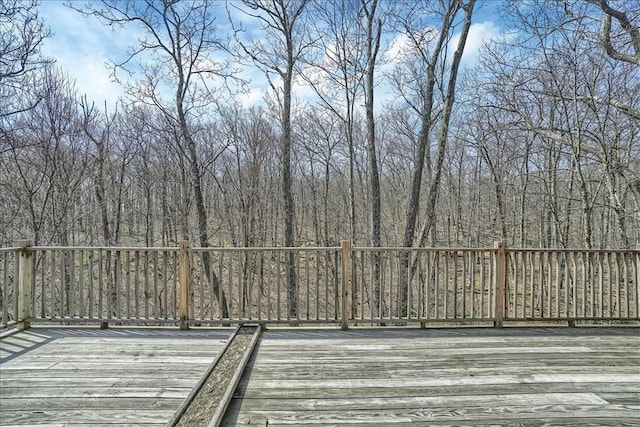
(403, 377)
(94, 377)
(434, 377)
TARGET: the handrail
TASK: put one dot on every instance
(569, 250)
(418, 248)
(265, 248)
(103, 248)
(312, 285)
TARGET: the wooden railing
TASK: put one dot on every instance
(9, 273)
(337, 285)
(572, 284)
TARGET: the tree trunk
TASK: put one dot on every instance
(287, 195)
(200, 208)
(430, 210)
(373, 45)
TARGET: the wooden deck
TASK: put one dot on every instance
(570, 377)
(563, 376)
(62, 376)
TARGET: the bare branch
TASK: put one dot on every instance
(630, 29)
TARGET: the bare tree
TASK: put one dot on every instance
(373, 34)
(283, 43)
(182, 36)
(623, 45)
(430, 50)
(47, 160)
(98, 130)
(320, 135)
(567, 95)
(252, 139)
(337, 74)
(22, 35)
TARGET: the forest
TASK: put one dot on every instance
(373, 127)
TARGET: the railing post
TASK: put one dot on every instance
(637, 267)
(26, 284)
(501, 282)
(346, 258)
(185, 271)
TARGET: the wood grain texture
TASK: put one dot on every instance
(110, 377)
(359, 377)
(435, 377)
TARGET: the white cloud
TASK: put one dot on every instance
(94, 80)
(479, 33)
(82, 46)
(402, 47)
(253, 94)
(302, 90)
(397, 50)
(254, 97)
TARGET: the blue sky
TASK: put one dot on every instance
(82, 46)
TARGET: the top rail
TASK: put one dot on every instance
(103, 248)
(265, 249)
(570, 250)
(315, 248)
(419, 249)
